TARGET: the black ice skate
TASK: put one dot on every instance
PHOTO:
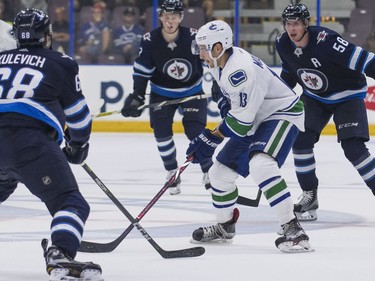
(294, 239)
(61, 267)
(219, 233)
(305, 209)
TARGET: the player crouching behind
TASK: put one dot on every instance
(41, 94)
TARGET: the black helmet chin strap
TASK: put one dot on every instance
(302, 35)
(307, 25)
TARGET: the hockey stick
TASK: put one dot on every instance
(157, 104)
(190, 252)
(250, 202)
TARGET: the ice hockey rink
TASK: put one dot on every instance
(129, 165)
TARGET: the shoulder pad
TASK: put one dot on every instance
(193, 31)
(321, 37)
(280, 36)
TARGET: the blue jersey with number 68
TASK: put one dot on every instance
(329, 69)
(43, 84)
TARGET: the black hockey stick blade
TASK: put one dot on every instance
(93, 247)
(185, 253)
(250, 202)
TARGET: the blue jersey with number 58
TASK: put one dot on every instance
(329, 69)
(43, 84)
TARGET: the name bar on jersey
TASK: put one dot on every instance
(22, 59)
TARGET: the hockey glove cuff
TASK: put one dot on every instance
(224, 106)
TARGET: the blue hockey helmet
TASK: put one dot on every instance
(30, 27)
(172, 6)
(295, 12)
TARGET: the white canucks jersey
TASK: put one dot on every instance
(256, 95)
(7, 41)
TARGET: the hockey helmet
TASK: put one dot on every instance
(295, 12)
(30, 27)
(172, 6)
(216, 31)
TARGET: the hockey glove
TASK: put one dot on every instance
(203, 146)
(132, 102)
(224, 106)
(76, 154)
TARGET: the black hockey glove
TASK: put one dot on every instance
(132, 102)
(203, 146)
(76, 154)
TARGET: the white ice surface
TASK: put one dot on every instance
(130, 167)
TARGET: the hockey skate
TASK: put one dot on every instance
(61, 267)
(206, 181)
(219, 233)
(305, 209)
(174, 189)
(294, 239)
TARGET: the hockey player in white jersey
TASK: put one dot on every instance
(262, 119)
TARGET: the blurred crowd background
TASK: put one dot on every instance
(109, 32)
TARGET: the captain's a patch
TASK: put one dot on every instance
(237, 78)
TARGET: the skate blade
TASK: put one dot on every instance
(91, 275)
(61, 274)
(174, 190)
(212, 242)
(302, 247)
(307, 216)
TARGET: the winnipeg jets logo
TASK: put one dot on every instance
(172, 45)
(193, 31)
(179, 69)
(298, 52)
(321, 37)
(312, 79)
(147, 36)
(278, 37)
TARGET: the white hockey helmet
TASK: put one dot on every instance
(213, 32)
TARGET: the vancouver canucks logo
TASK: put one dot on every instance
(237, 78)
(179, 69)
(313, 79)
(213, 26)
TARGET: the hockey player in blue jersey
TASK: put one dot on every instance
(40, 95)
(332, 73)
(166, 60)
(263, 119)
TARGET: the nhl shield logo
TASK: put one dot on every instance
(46, 180)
